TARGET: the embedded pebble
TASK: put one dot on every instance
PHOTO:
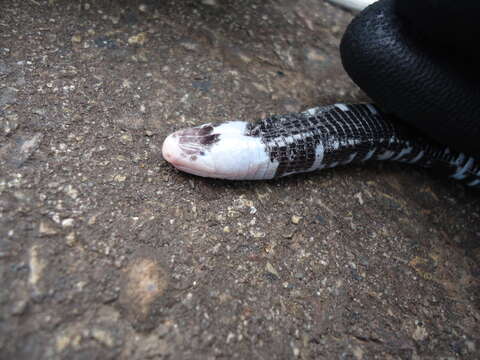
(126, 138)
(19, 307)
(120, 178)
(71, 239)
(36, 265)
(69, 337)
(76, 38)
(71, 191)
(138, 39)
(420, 333)
(296, 219)
(67, 222)
(46, 228)
(270, 269)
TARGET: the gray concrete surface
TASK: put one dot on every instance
(107, 252)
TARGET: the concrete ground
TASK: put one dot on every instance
(107, 252)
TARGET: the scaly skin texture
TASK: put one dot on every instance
(322, 137)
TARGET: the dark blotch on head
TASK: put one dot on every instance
(209, 139)
(206, 130)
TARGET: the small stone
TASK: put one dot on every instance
(70, 337)
(126, 138)
(103, 337)
(420, 333)
(296, 219)
(260, 87)
(71, 239)
(76, 39)
(67, 222)
(120, 178)
(233, 213)
(152, 347)
(270, 269)
(358, 353)
(216, 248)
(359, 197)
(138, 39)
(19, 307)
(71, 191)
(285, 54)
(36, 266)
(47, 228)
(226, 229)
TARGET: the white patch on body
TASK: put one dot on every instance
(350, 159)
(460, 173)
(418, 157)
(373, 110)
(357, 5)
(342, 107)
(233, 156)
(385, 156)
(474, 183)
(369, 154)
(319, 154)
(403, 152)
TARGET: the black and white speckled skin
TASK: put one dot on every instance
(340, 134)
